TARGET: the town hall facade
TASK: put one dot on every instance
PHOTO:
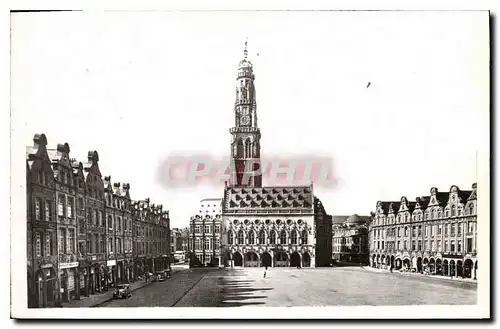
(274, 226)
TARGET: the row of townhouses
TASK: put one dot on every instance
(84, 232)
(435, 234)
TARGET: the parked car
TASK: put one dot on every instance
(159, 276)
(122, 291)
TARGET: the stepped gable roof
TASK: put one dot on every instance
(269, 197)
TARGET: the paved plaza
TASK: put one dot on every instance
(298, 287)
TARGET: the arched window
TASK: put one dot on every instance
(272, 237)
(471, 209)
(262, 237)
(453, 211)
(251, 237)
(239, 149)
(446, 213)
(283, 237)
(248, 149)
(434, 214)
(293, 237)
(230, 237)
(304, 237)
(240, 237)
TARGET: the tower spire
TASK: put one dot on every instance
(245, 52)
(245, 134)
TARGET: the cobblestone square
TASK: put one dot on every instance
(324, 287)
(346, 286)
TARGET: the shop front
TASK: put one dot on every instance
(68, 273)
(111, 274)
(83, 280)
(46, 286)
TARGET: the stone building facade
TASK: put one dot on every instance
(66, 222)
(96, 226)
(179, 244)
(42, 256)
(205, 233)
(436, 234)
(271, 226)
(350, 239)
(151, 229)
(82, 233)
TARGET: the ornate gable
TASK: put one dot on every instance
(37, 154)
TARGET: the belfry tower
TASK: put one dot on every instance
(245, 135)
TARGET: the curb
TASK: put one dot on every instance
(431, 278)
(111, 298)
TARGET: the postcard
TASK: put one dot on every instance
(181, 164)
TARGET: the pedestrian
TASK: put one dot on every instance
(265, 273)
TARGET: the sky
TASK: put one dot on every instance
(138, 86)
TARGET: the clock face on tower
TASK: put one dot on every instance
(245, 120)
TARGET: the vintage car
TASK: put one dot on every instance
(122, 291)
(159, 276)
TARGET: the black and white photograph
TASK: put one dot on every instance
(183, 164)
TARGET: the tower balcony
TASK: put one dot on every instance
(246, 73)
(244, 130)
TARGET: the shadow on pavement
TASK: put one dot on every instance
(236, 293)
